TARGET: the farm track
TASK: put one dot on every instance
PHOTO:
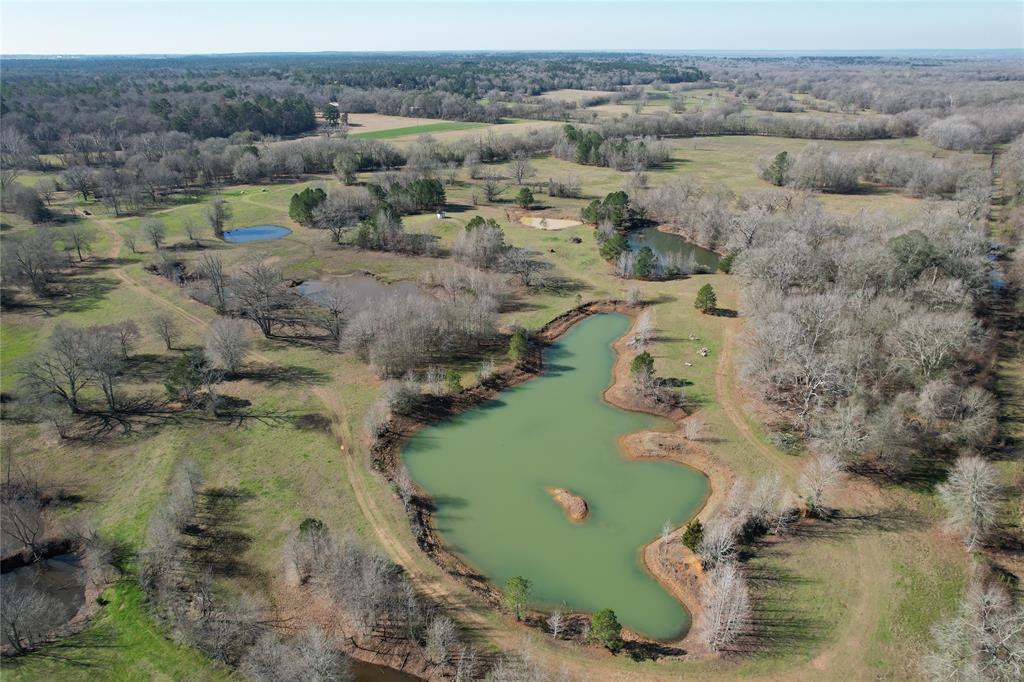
(729, 398)
(115, 253)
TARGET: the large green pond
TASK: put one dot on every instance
(488, 471)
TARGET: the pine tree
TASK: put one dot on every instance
(706, 301)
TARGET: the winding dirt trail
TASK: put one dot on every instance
(115, 253)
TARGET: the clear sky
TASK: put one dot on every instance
(191, 26)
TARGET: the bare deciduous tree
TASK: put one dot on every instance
(482, 246)
(727, 608)
(521, 168)
(718, 546)
(127, 335)
(166, 328)
(32, 260)
(971, 498)
(337, 305)
(525, 264)
(983, 640)
(227, 343)
(555, 624)
(79, 237)
(212, 270)
(309, 656)
(28, 615)
(492, 187)
(262, 295)
(695, 429)
(820, 474)
(153, 231)
(104, 359)
(442, 638)
(61, 369)
(644, 330)
(218, 213)
(191, 230)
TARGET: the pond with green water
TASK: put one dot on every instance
(488, 471)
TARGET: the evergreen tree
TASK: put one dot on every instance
(606, 630)
(693, 535)
(516, 594)
(706, 300)
(642, 365)
(778, 171)
(614, 246)
(301, 207)
(645, 265)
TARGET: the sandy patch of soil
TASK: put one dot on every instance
(542, 223)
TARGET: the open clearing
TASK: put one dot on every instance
(371, 123)
(574, 95)
(542, 223)
(441, 127)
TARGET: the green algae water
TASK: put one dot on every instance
(488, 471)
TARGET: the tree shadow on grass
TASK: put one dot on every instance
(560, 285)
(149, 367)
(69, 295)
(778, 623)
(216, 539)
(650, 651)
(277, 374)
(93, 648)
(921, 472)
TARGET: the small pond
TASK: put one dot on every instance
(488, 471)
(361, 289)
(256, 233)
(672, 244)
(61, 577)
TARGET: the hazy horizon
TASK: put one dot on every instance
(183, 27)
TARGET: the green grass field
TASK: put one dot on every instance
(122, 644)
(859, 600)
(442, 127)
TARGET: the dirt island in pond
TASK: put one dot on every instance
(575, 507)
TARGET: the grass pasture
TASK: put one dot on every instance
(851, 601)
(423, 129)
(574, 94)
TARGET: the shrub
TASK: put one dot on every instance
(518, 345)
(452, 381)
(693, 535)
